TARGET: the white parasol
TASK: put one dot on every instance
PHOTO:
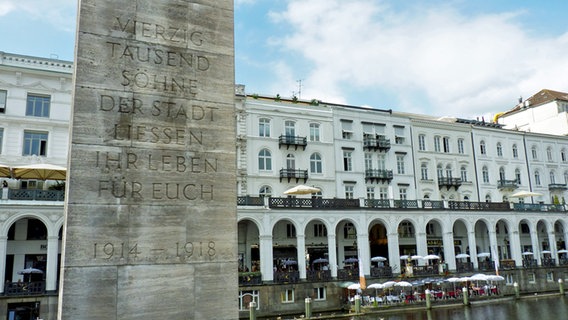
(462, 256)
(301, 189)
(5, 171)
(40, 171)
(525, 194)
(378, 259)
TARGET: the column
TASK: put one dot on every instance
(51, 272)
(364, 252)
(552, 244)
(449, 251)
(332, 254)
(394, 252)
(493, 245)
(301, 252)
(535, 246)
(421, 246)
(515, 244)
(266, 260)
(3, 246)
(472, 244)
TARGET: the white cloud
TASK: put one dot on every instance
(60, 13)
(430, 57)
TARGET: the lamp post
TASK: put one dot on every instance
(517, 291)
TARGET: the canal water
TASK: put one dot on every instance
(532, 308)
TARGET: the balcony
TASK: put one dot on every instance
(250, 278)
(484, 206)
(286, 276)
(250, 201)
(449, 183)
(463, 267)
(539, 207)
(294, 174)
(36, 194)
(380, 143)
(292, 141)
(507, 184)
(313, 203)
(557, 186)
(378, 175)
(377, 203)
(381, 272)
(530, 263)
(24, 288)
(318, 275)
(348, 274)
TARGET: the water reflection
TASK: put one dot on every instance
(542, 308)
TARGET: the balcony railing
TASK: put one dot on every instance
(557, 186)
(530, 263)
(425, 270)
(24, 288)
(507, 184)
(294, 174)
(286, 276)
(318, 275)
(380, 143)
(381, 272)
(464, 267)
(539, 207)
(548, 262)
(449, 182)
(486, 206)
(506, 264)
(406, 204)
(488, 265)
(250, 278)
(36, 194)
(250, 201)
(378, 175)
(295, 141)
(377, 203)
(348, 274)
(314, 203)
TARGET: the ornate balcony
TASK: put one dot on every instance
(378, 175)
(378, 142)
(250, 278)
(314, 203)
(286, 276)
(557, 186)
(318, 275)
(36, 194)
(449, 183)
(348, 274)
(464, 267)
(381, 272)
(292, 141)
(294, 174)
(507, 184)
(24, 288)
(485, 206)
(250, 201)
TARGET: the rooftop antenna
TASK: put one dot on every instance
(299, 88)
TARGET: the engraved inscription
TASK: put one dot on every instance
(188, 252)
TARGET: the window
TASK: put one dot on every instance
(383, 193)
(400, 163)
(347, 160)
(422, 142)
(319, 293)
(531, 277)
(446, 144)
(461, 149)
(370, 192)
(315, 163)
(552, 177)
(3, 95)
(485, 174)
(287, 296)
(482, 149)
(501, 173)
(290, 230)
(566, 177)
(1, 138)
(382, 162)
(264, 160)
(402, 193)
(37, 106)
(515, 151)
(346, 129)
(563, 155)
(437, 144)
(349, 192)
(320, 230)
(349, 231)
(246, 297)
(549, 153)
(368, 161)
(537, 178)
(439, 171)
(463, 174)
(290, 162)
(424, 171)
(518, 176)
(289, 128)
(35, 143)
(550, 276)
(314, 132)
(399, 134)
(264, 127)
(499, 149)
(265, 191)
(488, 198)
(449, 171)
(534, 153)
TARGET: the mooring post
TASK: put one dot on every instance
(465, 296)
(357, 304)
(517, 290)
(561, 286)
(252, 310)
(428, 300)
(308, 306)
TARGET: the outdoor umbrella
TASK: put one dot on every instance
(403, 284)
(388, 284)
(30, 271)
(320, 260)
(404, 257)
(350, 260)
(484, 255)
(527, 253)
(354, 286)
(40, 171)
(416, 257)
(546, 252)
(301, 189)
(462, 256)
(431, 257)
(562, 251)
(290, 262)
(378, 259)
(525, 194)
(5, 171)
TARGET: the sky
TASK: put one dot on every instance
(460, 58)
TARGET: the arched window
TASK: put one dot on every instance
(264, 127)
(264, 160)
(289, 128)
(437, 143)
(424, 171)
(537, 178)
(422, 142)
(502, 174)
(549, 154)
(518, 176)
(482, 148)
(488, 198)
(461, 149)
(290, 162)
(515, 151)
(265, 191)
(563, 155)
(499, 149)
(552, 177)
(315, 163)
(463, 174)
(449, 171)
(439, 171)
(534, 153)
(485, 174)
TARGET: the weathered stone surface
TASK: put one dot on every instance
(151, 200)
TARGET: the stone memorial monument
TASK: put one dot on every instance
(151, 195)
